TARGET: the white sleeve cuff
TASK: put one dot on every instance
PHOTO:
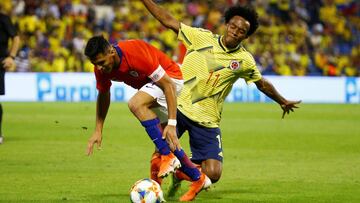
(157, 74)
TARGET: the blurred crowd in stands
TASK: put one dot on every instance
(295, 37)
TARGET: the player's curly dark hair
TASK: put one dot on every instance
(248, 13)
(95, 46)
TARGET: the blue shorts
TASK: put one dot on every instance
(205, 143)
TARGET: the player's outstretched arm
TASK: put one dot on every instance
(162, 15)
(102, 106)
(267, 88)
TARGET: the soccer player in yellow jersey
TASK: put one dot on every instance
(213, 63)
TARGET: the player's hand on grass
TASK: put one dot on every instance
(289, 106)
(170, 135)
(95, 138)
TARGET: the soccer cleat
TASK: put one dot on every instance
(196, 186)
(175, 185)
(169, 163)
(155, 166)
(1, 139)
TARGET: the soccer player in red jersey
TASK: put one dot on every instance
(158, 79)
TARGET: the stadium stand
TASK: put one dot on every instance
(296, 37)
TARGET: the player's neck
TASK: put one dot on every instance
(227, 46)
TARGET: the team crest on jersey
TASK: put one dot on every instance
(134, 73)
(234, 65)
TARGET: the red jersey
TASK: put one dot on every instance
(139, 62)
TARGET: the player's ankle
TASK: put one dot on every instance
(181, 175)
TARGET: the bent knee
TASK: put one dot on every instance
(213, 173)
(134, 106)
(214, 177)
(131, 106)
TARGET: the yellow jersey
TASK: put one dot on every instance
(210, 70)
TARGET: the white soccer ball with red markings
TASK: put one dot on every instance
(146, 191)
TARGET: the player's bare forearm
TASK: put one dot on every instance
(8, 62)
(171, 102)
(167, 85)
(269, 90)
(162, 15)
(15, 46)
(169, 133)
(102, 107)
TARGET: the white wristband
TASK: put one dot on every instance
(172, 122)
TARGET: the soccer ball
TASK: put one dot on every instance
(146, 191)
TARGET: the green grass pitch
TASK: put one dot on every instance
(312, 155)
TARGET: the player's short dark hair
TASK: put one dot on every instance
(96, 45)
(248, 13)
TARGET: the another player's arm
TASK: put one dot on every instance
(102, 107)
(11, 30)
(162, 15)
(267, 88)
(14, 46)
(168, 86)
(8, 61)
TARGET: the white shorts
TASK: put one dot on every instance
(157, 93)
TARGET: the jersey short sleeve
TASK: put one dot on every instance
(191, 35)
(103, 84)
(250, 73)
(157, 74)
(145, 58)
